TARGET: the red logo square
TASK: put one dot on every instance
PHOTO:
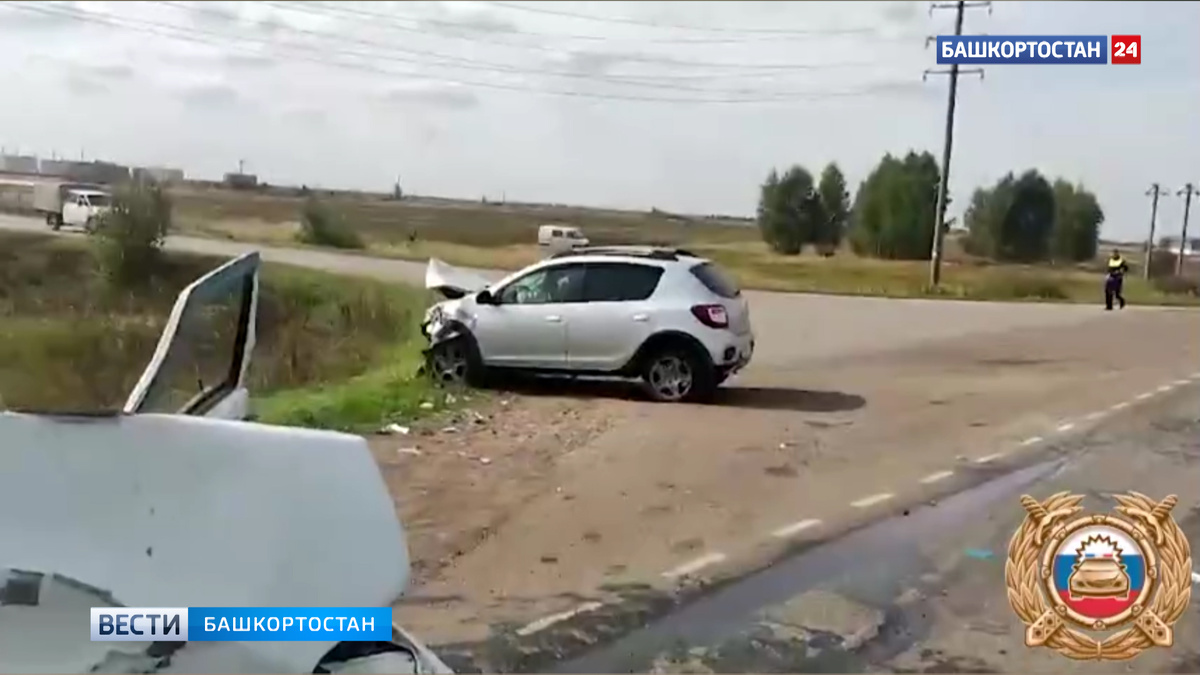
(1126, 49)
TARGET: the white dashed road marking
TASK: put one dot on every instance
(1094, 416)
(1165, 388)
(872, 500)
(935, 477)
(795, 528)
(1179, 383)
(989, 458)
(1119, 406)
(547, 621)
(695, 565)
(1064, 427)
(1195, 578)
(1143, 397)
(1032, 440)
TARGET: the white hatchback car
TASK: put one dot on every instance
(665, 316)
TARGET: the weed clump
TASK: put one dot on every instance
(130, 235)
(321, 226)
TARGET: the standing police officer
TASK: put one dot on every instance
(1115, 280)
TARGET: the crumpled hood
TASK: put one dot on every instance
(451, 281)
(178, 511)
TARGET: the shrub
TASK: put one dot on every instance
(321, 226)
(1020, 286)
(1162, 263)
(130, 235)
(1176, 285)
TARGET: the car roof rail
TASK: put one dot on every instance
(652, 252)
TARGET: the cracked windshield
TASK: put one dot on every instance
(555, 336)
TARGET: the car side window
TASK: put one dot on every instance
(561, 283)
(620, 282)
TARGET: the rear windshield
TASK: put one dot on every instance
(715, 280)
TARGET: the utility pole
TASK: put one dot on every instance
(939, 225)
(1188, 190)
(1155, 192)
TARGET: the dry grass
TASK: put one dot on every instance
(332, 351)
(474, 224)
(503, 236)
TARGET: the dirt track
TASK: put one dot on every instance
(849, 400)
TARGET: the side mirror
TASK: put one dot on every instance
(485, 297)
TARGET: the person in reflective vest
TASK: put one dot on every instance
(1115, 280)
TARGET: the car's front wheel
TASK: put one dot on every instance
(453, 362)
(677, 374)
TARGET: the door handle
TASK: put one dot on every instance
(554, 318)
(641, 317)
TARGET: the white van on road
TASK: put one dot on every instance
(554, 239)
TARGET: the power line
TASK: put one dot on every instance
(642, 58)
(189, 34)
(939, 224)
(1154, 192)
(453, 61)
(307, 6)
(652, 24)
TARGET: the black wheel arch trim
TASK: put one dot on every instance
(667, 336)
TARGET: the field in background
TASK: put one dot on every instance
(332, 352)
(503, 236)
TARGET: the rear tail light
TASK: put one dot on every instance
(713, 316)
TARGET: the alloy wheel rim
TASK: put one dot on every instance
(671, 377)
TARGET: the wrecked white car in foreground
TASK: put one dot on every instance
(162, 505)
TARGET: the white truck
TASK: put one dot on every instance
(74, 204)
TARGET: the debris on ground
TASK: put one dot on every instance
(469, 481)
(394, 428)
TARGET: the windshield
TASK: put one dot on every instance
(98, 199)
(574, 234)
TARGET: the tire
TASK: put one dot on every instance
(54, 220)
(455, 362)
(676, 373)
(90, 225)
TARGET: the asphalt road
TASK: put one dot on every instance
(924, 591)
(790, 327)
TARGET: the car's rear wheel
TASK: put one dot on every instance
(454, 362)
(675, 374)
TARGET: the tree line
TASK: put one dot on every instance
(1024, 218)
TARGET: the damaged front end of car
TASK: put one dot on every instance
(446, 325)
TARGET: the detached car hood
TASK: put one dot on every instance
(451, 281)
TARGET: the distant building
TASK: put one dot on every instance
(1172, 244)
(158, 174)
(18, 163)
(241, 181)
(86, 172)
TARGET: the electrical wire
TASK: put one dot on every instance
(642, 58)
(651, 24)
(190, 35)
(454, 61)
(512, 30)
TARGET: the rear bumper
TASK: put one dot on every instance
(735, 355)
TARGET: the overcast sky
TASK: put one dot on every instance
(684, 106)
